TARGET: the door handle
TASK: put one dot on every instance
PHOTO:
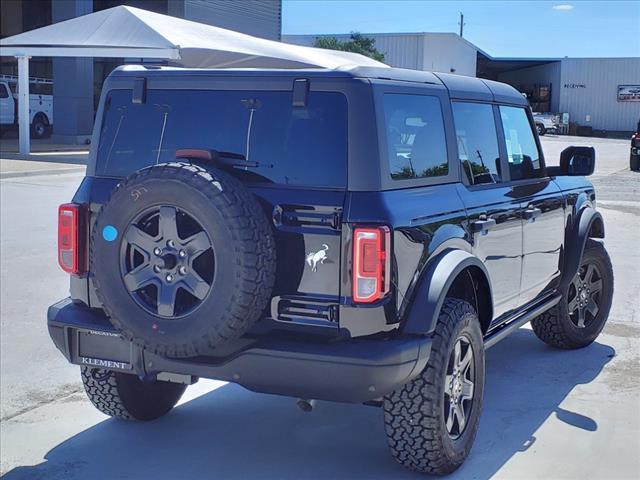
(531, 213)
(483, 225)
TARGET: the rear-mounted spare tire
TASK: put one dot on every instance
(182, 258)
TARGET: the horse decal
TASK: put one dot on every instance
(315, 258)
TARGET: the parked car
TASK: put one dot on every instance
(634, 158)
(545, 122)
(357, 236)
(40, 111)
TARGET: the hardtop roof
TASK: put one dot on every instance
(459, 86)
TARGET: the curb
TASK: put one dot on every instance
(35, 173)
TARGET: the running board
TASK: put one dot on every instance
(507, 328)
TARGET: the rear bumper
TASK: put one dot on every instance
(345, 371)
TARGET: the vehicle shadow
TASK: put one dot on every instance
(232, 433)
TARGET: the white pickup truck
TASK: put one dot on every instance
(40, 110)
(546, 122)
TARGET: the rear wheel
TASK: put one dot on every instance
(39, 127)
(432, 421)
(126, 397)
(581, 314)
(634, 163)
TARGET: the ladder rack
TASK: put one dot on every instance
(14, 79)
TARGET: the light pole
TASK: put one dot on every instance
(23, 104)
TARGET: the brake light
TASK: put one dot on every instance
(71, 239)
(371, 263)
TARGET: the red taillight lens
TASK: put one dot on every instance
(371, 261)
(71, 251)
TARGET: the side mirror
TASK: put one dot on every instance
(576, 162)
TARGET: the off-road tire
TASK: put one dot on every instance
(634, 163)
(554, 327)
(414, 414)
(126, 397)
(245, 260)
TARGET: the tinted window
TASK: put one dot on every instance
(415, 136)
(522, 151)
(477, 142)
(299, 146)
(3, 91)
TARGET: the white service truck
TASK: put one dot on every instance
(40, 107)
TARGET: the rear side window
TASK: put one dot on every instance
(477, 142)
(522, 151)
(293, 145)
(3, 91)
(415, 136)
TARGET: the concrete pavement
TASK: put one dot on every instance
(45, 159)
(547, 413)
(30, 168)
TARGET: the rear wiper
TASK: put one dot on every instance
(225, 159)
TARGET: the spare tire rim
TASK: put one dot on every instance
(459, 387)
(167, 261)
(584, 295)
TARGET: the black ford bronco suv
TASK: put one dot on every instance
(358, 235)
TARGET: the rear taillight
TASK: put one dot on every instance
(71, 238)
(371, 263)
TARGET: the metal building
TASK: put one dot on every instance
(436, 52)
(598, 94)
(77, 82)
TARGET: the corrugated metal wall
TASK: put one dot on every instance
(589, 86)
(438, 52)
(261, 18)
(448, 53)
(400, 50)
(403, 51)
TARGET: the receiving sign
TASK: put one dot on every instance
(629, 93)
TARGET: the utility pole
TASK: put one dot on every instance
(461, 23)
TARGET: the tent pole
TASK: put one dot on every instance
(23, 104)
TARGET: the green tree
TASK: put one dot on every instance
(357, 44)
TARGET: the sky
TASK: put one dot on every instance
(500, 28)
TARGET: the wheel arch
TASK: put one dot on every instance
(454, 273)
(588, 224)
(41, 115)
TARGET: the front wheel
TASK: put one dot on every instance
(125, 396)
(579, 317)
(541, 129)
(432, 421)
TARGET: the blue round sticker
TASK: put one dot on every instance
(109, 233)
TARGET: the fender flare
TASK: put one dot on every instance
(587, 217)
(433, 288)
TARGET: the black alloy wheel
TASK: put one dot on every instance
(167, 261)
(584, 295)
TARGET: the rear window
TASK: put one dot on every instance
(415, 136)
(293, 145)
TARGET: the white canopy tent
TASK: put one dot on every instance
(127, 32)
